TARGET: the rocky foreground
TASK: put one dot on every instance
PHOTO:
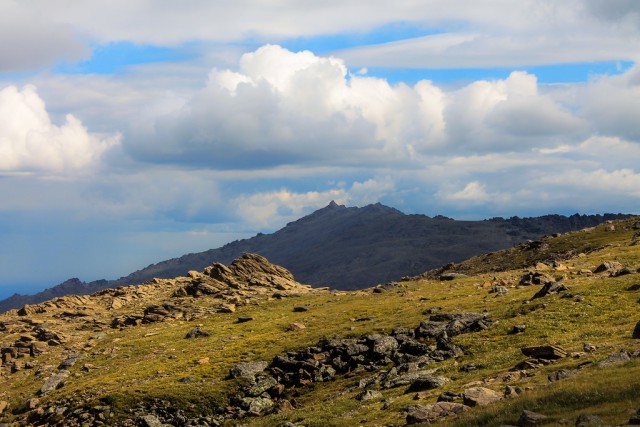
(245, 344)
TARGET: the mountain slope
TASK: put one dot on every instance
(351, 248)
(247, 345)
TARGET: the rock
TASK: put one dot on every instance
(150, 421)
(451, 276)
(480, 396)
(535, 278)
(244, 319)
(300, 309)
(3, 406)
(32, 403)
(257, 405)
(261, 385)
(296, 327)
(634, 420)
(511, 391)
(623, 272)
(247, 370)
(550, 289)
(531, 419)
(421, 414)
(518, 329)
(615, 359)
(608, 266)
(636, 331)
(544, 352)
(450, 396)
(384, 346)
(588, 420)
(226, 308)
(561, 374)
(499, 290)
(70, 360)
(369, 395)
(427, 382)
(54, 381)
(197, 333)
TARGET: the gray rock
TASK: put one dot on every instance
(369, 395)
(608, 266)
(262, 384)
(257, 405)
(54, 381)
(421, 414)
(150, 421)
(384, 346)
(531, 419)
(197, 333)
(247, 369)
(615, 359)
(70, 361)
(427, 382)
(561, 374)
(588, 420)
(550, 289)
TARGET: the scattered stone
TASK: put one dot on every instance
(589, 348)
(226, 308)
(588, 420)
(518, 329)
(247, 370)
(535, 278)
(608, 266)
(427, 382)
(561, 374)
(150, 421)
(499, 291)
(480, 396)
(451, 276)
(531, 419)
(420, 414)
(300, 309)
(296, 327)
(54, 381)
(623, 272)
(244, 319)
(197, 332)
(369, 395)
(550, 289)
(32, 403)
(3, 406)
(511, 391)
(450, 396)
(544, 352)
(70, 361)
(634, 420)
(615, 359)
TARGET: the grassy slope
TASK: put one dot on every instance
(148, 362)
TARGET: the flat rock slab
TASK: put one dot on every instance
(54, 381)
(544, 352)
(480, 396)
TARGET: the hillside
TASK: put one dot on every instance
(350, 248)
(543, 334)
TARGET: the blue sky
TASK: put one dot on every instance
(132, 132)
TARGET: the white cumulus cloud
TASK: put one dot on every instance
(29, 141)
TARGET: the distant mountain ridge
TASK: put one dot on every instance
(350, 248)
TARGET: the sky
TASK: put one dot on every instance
(133, 131)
